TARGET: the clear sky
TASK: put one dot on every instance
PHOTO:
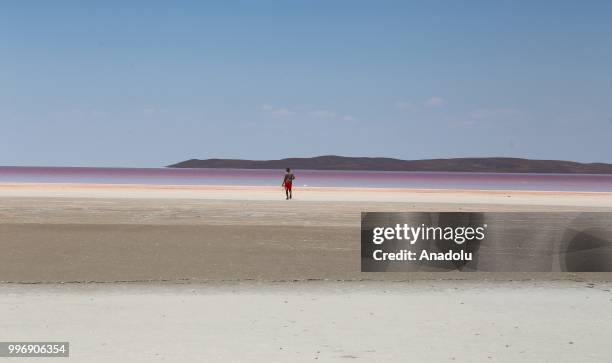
(149, 83)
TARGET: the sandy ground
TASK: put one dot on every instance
(222, 274)
(106, 233)
(321, 194)
(423, 321)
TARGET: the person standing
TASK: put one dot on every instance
(288, 183)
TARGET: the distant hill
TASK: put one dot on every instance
(332, 162)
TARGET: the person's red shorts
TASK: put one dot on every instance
(288, 186)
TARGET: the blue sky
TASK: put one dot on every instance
(151, 83)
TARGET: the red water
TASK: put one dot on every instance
(316, 178)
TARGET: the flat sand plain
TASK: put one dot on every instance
(348, 321)
(111, 233)
(227, 274)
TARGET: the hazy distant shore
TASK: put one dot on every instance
(478, 165)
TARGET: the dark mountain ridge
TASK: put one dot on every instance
(332, 162)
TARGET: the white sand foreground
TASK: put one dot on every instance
(422, 321)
